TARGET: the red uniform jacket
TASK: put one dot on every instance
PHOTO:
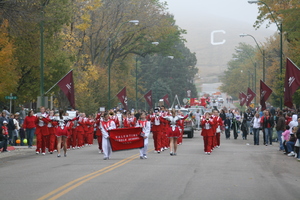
(207, 127)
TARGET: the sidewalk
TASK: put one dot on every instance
(16, 150)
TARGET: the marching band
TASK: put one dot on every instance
(76, 131)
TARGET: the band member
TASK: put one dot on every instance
(98, 132)
(80, 130)
(106, 125)
(115, 118)
(165, 139)
(62, 131)
(130, 120)
(157, 131)
(146, 126)
(207, 124)
(75, 133)
(218, 125)
(42, 132)
(52, 135)
(90, 132)
(173, 130)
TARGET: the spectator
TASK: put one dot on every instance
(4, 136)
(280, 127)
(3, 117)
(268, 123)
(285, 138)
(298, 138)
(293, 122)
(29, 127)
(227, 124)
(256, 127)
(244, 129)
(11, 128)
(22, 115)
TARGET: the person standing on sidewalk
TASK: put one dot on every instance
(29, 127)
(268, 123)
(4, 136)
(280, 128)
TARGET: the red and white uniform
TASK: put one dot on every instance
(98, 131)
(173, 127)
(63, 127)
(207, 133)
(129, 122)
(146, 127)
(157, 131)
(52, 135)
(115, 119)
(42, 132)
(105, 126)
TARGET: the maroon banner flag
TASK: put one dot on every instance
(166, 100)
(123, 97)
(265, 93)
(243, 98)
(66, 84)
(240, 98)
(250, 96)
(126, 138)
(291, 82)
(148, 98)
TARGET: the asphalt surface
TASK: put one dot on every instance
(238, 170)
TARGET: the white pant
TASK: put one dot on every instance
(106, 147)
(143, 151)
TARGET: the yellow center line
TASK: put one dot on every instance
(77, 182)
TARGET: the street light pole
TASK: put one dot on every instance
(136, 82)
(261, 51)
(279, 27)
(136, 22)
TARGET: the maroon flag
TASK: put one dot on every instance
(148, 98)
(123, 97)
(240, 98)
(291, 82)
(166, 100)
(126, 138)
(243, 98)
(66, 84)
(250, 96)
(265, 93)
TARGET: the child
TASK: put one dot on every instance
(22, 134)
(285, 137)
(5, 136)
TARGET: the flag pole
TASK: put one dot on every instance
(58, 82)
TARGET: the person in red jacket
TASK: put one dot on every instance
(90, 130)
(207, 124)
(29, 127)
(80, 130)
(42, 132)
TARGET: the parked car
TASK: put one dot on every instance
(220, 100)
(189, 124)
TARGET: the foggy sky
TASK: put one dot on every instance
(239, 10)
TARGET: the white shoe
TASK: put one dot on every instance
(100, 151)
(43, 154)
(166, 148)
(37, 152)
(218, 147)
(208, 153)
(73, 148)
(155, 151)
(295, 155)
(205, 153)
(145, 157)
(291, 154)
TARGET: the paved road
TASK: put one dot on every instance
(235, 171)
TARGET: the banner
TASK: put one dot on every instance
(166, 100)
(291, 82)
(126, 138)
(148, 98)
(123, 97)
(66, 84)
(250, 96)
(265, 93)
(243, 98)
